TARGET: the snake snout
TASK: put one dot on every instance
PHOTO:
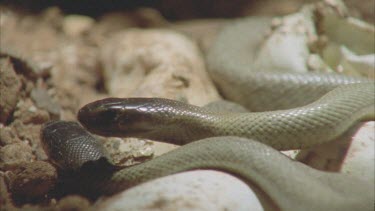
(101, 116)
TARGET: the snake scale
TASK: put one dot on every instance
(310, 109)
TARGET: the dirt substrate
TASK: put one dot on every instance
(50, 65)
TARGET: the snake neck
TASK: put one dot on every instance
(302, 127)
(179, 123)
(306, 126)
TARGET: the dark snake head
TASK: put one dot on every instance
(70, 147)
(121, 117)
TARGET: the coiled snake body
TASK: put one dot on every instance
(323, 106)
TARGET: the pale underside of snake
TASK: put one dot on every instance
(309, 109)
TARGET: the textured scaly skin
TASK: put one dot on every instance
(290, 184)
(179, 123)
(293, 186)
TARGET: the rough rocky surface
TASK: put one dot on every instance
(158, 63)
(16, 152)
(202, 31)
(32, 179)
(49, 67)
(10, 87)
(346, 154)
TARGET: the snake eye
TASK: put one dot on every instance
(107, 116)
(98, 118)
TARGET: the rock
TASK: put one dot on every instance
(33, 179)
(25, 65)
(76, 25)
(43, 101)
(8, 136)
(17, 152)
(115, 21)
(353, 153)
(194, 190)
(5, 198)
(202, 31)
(347, 44)
(75, 79)
(360, 158)
(31, 134)
(71, 61)
(72, 202)
(27, 113)
(156, 63)
(29, 34)
(130, 151)
(362, 9)
(10, 87)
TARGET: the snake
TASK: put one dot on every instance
(288, 111)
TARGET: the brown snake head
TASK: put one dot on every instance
(125, 117)
(97, 117)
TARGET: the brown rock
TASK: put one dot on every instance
(34, 36)
(116, 21)
(156, 63)
(22, 64)
(15, 153)
(8, 136)
(10, 87)
(6, 202)
(73, 202)
(75, 78)
(77, 25)
(31, 133)
(43, 101)
(33, 179)
(203, 31)
(28, 113)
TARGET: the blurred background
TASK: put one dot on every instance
(181, 9)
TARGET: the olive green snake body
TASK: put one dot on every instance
(317, 108)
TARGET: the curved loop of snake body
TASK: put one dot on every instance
(322, 107)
